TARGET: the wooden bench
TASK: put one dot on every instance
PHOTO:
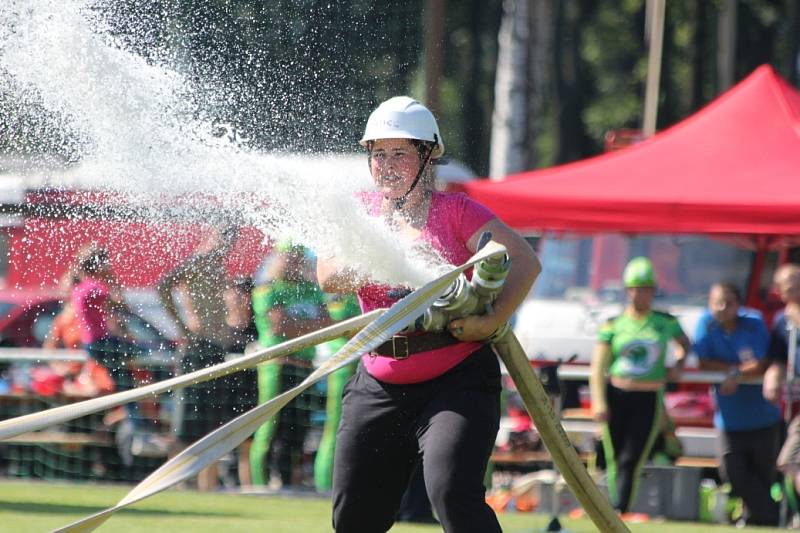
(527, 458)
(576, 413)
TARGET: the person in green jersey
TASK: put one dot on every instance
(340, 307)
(289, 306)
(628, 377)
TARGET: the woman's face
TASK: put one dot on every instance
(394, 163)
(641, 298)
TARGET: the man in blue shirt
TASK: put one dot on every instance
(728, 340)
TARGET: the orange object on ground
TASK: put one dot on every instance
(498, 501)
(635, 518)
(527, 503)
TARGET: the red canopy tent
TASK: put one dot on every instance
(731, 168)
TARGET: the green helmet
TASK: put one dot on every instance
(287, 245)
(639, 273)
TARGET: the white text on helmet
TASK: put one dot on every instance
(389, 123)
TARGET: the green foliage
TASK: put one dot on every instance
(287, 75)
(612, 63)
(467, 98)
(293, 75)
(303, 75)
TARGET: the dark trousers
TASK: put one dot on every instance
(116, 355)
(293, 421)
(634, 418)
(415, 505)
(747, 460)
(449, 422)
(202, 407)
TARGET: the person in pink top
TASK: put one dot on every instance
(94, 301)
(431, 399)
(90, 300)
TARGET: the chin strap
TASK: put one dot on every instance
(400, 202)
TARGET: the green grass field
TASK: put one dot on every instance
(36, 506)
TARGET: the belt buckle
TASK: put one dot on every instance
(400, 349)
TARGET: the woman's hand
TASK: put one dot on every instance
(474, 327)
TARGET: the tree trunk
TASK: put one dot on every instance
(569, 95)
(523, 73)
(510, 92)
(473, 119)
(434, 51)
(793, 60)
(699, 55)
(726, 49)
(540, 75)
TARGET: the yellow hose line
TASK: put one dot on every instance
(224, 439)
(59, 415)
(558, 444)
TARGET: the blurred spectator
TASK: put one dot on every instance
(628, 377)
(239, 314)
(200, 282)
(289, 306)
(243, 336)
(92, 303)
(731, 341)
(95, 299)
(79, 379)
(65, 331)
(787, 282)
(340, 307)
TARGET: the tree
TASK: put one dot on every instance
(544, 89)
(524, 70)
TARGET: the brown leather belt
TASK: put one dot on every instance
(401, 346)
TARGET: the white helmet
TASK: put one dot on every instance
(402, 117)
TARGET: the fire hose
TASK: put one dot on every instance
(424, 308)
(476, 296)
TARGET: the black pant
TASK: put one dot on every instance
(633, 420)
(415, 505)
(202, 407)
(450, 421)
(748, 462)
(293, 421)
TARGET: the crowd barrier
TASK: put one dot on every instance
(100, 447)
(124, 444)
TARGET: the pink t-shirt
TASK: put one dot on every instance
(89, 299)
(453, 219)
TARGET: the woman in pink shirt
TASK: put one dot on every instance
(437, 403)
(93, 301)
